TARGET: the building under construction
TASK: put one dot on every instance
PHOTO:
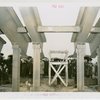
(65, 74)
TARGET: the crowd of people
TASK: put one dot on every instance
(26, 68)
(26, 65)
(5, 69)
(90, 69)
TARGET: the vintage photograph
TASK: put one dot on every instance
(51, 47)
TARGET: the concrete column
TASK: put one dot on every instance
(80, 66)
(98, 61)
(16, 68)
(36, 66)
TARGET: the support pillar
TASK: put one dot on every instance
(16, 68)
(80, 66)
(36, 66)
(98, 62)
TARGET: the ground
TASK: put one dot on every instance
(90, 86)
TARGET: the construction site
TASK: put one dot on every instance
(62, 70)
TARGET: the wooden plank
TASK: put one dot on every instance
(57, 74)
(54, 51)
(58, 63)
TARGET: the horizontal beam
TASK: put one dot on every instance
(53, 51)
(58, 29)
(41, 29)
(58, 63)
(95, 30)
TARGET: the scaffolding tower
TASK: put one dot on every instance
(60, 66)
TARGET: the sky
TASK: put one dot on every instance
(52, 15)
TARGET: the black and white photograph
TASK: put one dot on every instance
(49, 47)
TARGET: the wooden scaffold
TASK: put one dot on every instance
(61, 64)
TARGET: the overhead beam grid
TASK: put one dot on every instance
(31, 19)
(85, 20)
(9, 22)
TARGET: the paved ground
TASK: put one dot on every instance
(53, 88)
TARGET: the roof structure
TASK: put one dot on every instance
(33, 30)
(12, 27)
(88, 33)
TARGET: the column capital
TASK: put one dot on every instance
(16, 46)
(36, 46)
(80, 46)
